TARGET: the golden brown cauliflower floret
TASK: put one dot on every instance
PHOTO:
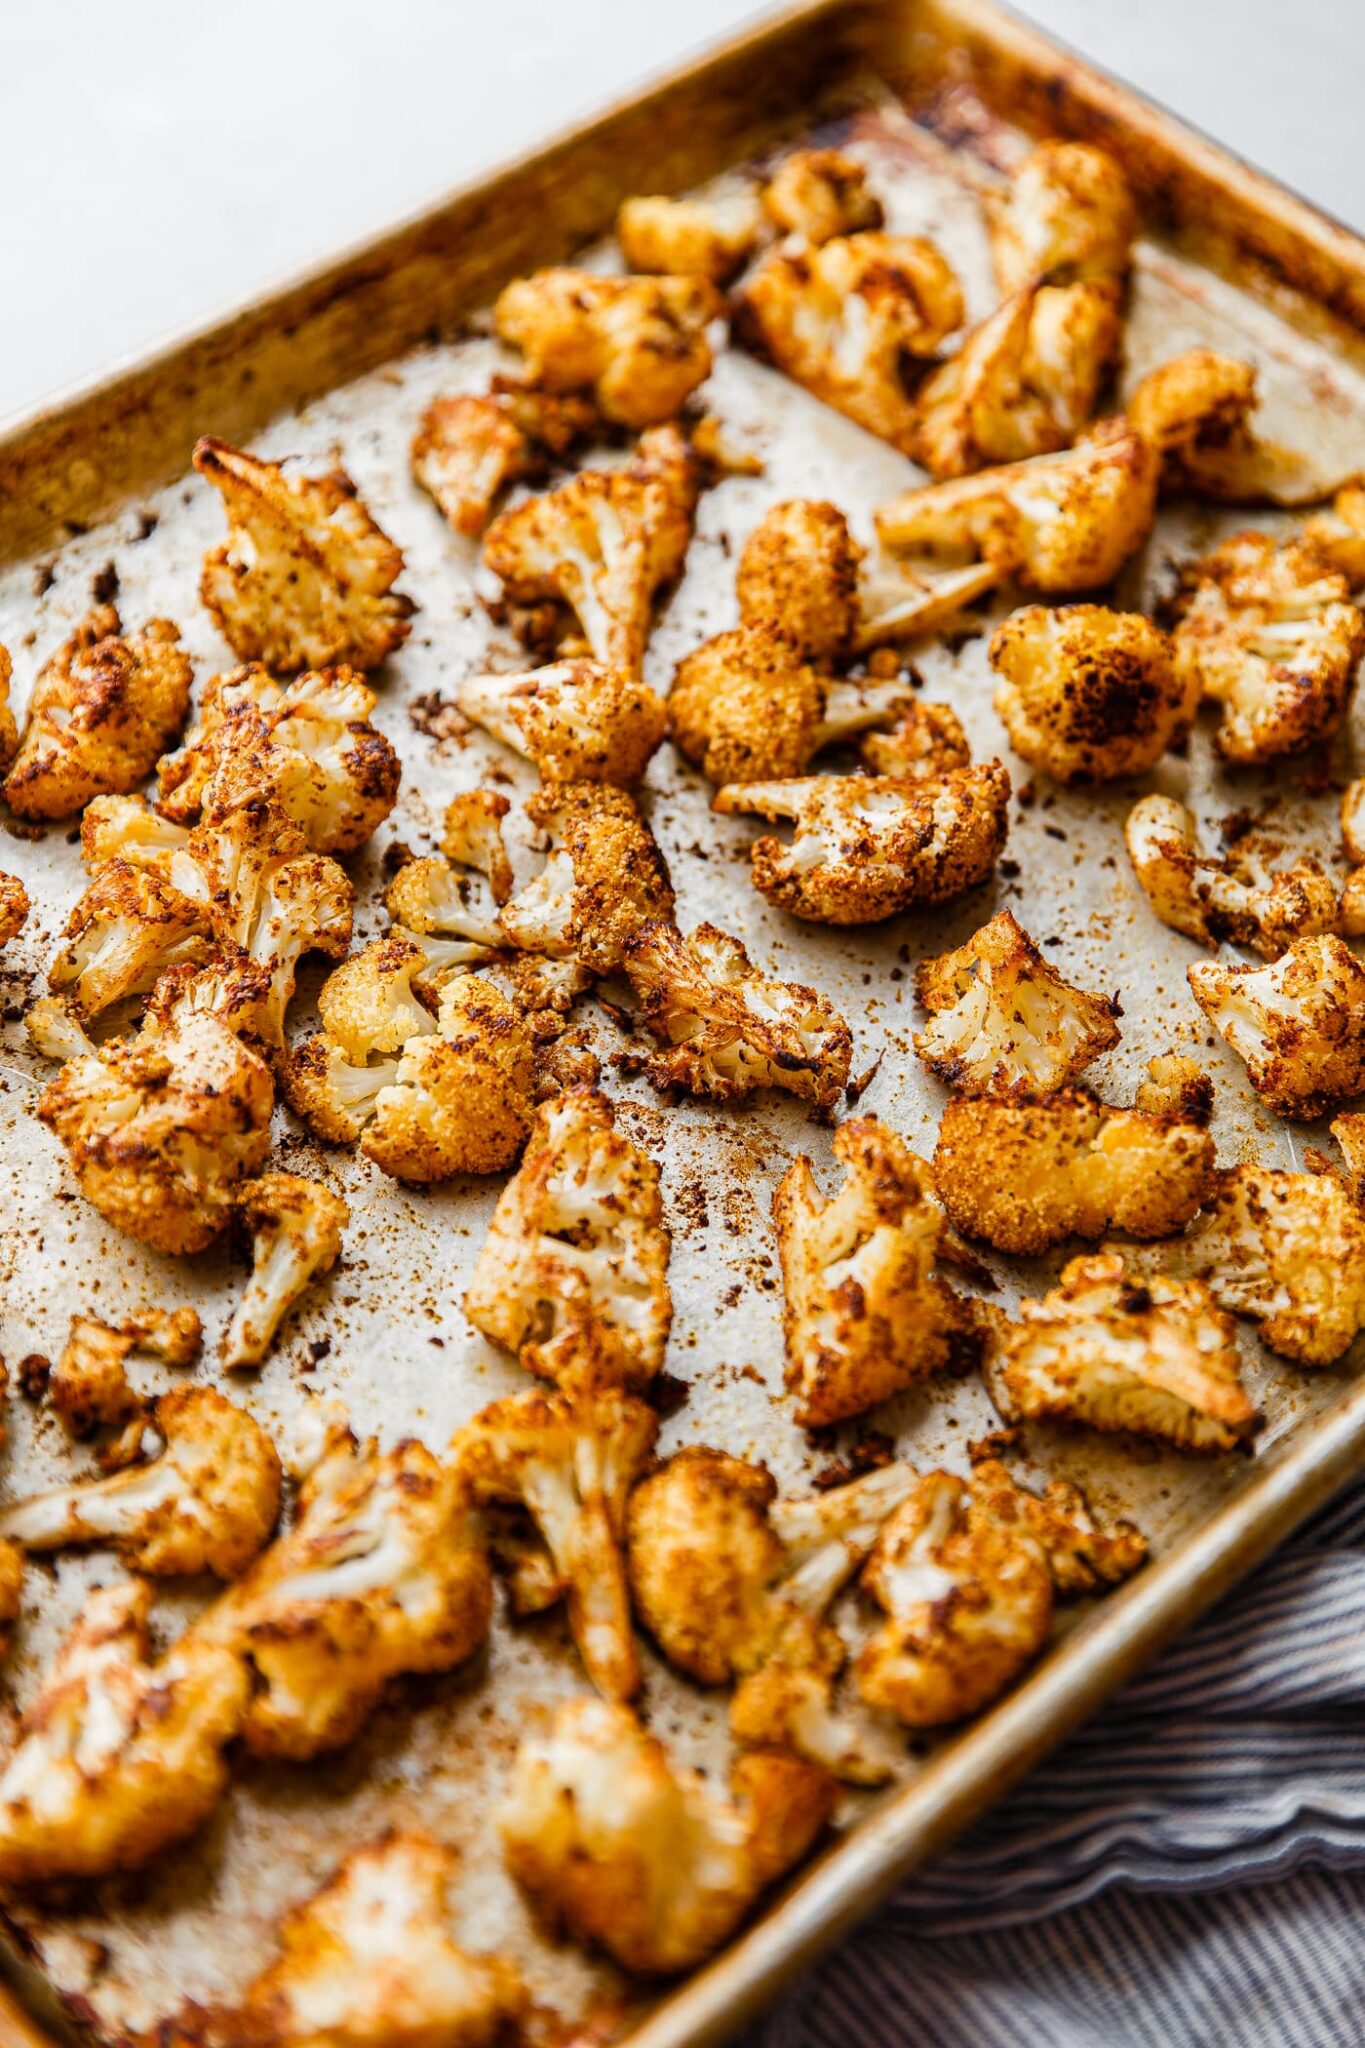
(570, 1459)
(1288, 1249)
(866, 847)
(734, 1584)
(160, 1129)
(724, 1028)
(295, 1226)
(845, 319)
(613, 1843)
(579, 721)
(1155, 1356)
(116, 1757)
(89, 1387)
(11, 1590)
(1023, 383)
(1001, 1016)
(380, 1573)
(128, 927)
(206, 1503)
(232, 694)
(1087, 694)
(468, 449)
(1240, 896)
(710, 238)
(573, 1274)
(866, 1315)
(1299, 1024)
(1197, 410)
(1069, 214)
(1059, 523)
(9, 730)
(460, 1098)
(367, 1005)
(927, 740)
(798, 576)
(636, 344)
(745, 707)
(967, 1571)
(369, 1962)
(305, 577)
(1271, 635)
(603, 544)
(1339, 534)
(604, 877)
(14, 907)
(311, 748)
(820, 193)
(102, 709)
(1025, 1171)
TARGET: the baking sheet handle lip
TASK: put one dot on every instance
(1117, 1640)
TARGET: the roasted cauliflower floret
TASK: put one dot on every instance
(820, 193)
(102, 709)
(380, 1573)
(1058, 523)
(1197, 411)
(1288, 1249)
(367, 1005)
(1069, 214)
(798, 576)
(573, 1274)
(1299, 1024)
(578, 721)
(604, 544)
(612, 1842)
(369, 1962)
(1155, 1356)
(268, 897)
(745, 706)
(460, 1098)
(1023, 383)
(160, 1129)
(1087, 694)
(305, 577)
(966, 1571)
(232, 694)
(604, 877)
(1026, 1171)
(472, 838)
(14, 907)
(1271, 635)
(570, 1459)
(1001, 1016)
(468, 449)
(206, 1503)
(866, 1315)
(126, 929)
(866, 847)
(295, 1226)
(804, 580)
(637, 344)
(313, 750)
(1339, 534)
(1240, 896)
(726, 1029)
(711, 238)
(846, 318)
(734, 1585)
(116, 1757)
(11, 1590)
(927, 741)
(88, 1387)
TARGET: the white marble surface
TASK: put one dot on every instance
(160, 162)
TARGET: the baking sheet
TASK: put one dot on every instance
(387, 1333)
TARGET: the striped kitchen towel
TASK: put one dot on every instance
(1189, 1870)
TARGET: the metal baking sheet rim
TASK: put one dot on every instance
(914, 1822)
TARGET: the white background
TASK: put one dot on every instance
(161, 160)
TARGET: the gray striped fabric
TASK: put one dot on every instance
(1188, 1871)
